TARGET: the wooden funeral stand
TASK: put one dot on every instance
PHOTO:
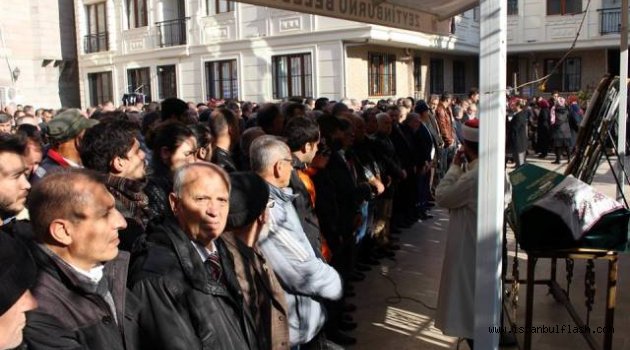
(561, 295)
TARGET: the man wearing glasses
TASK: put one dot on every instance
(305, 277)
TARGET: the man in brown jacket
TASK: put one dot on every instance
(444, 118)
(262, 293)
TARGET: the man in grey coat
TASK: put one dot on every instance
(305, 278)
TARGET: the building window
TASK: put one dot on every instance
(436, 77)
(139, 81)
(572, 74)
(459, 77)
(566, 78)
(167, 81)
(292, 76)
(381, 74)
(512, 7)
(220, 6)
(137, 14)
(563, 7)
(101, 89)
(96, 38)
(417, 74)
(221, 80)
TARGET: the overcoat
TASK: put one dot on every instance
(457, 192)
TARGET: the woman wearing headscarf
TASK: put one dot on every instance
(561, 131)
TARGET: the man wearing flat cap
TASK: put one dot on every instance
(17, 276)
(262, 293)
(457, 191)
(65, 131)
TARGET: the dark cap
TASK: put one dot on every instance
(68, 124)
(18, 272)
(421, 106)
(248, 199)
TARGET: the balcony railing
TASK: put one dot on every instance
(172, 32)
(95, 42)
(609, 20)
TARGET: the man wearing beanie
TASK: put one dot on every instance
(64, 132)
(81, 285)
(458, 192)
(262, 293)
(17, 276)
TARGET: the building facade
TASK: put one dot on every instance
(203, 49)
(38, 60)
(541, 32)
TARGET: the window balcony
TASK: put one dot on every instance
(609, 21)
(172, 32)
(95, 42)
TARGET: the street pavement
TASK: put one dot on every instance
(396, 301)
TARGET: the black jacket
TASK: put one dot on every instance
(403, 145)
(518, 132)
(69, 316)
(223, 159)
(424, 143)
(183, 307)
(343, 188)
(305, 209)
(159, 185)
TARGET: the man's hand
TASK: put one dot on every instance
(380, 188)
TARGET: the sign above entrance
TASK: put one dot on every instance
(367, 11)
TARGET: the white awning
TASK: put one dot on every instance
(441, 9)
(427, 16)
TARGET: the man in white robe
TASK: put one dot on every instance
(457, 192)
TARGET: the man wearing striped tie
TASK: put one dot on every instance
(184, 273)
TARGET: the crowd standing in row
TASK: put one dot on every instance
(543, 125)
(222, 225)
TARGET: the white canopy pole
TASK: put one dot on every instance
(492, 71)
(623, 97)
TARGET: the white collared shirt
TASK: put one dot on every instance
(204, 252)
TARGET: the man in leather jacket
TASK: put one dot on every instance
(184, 273)
(83, 300)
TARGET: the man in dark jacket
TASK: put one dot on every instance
(518, 131)
(112, 148)
(426, 153)
(225, 134)
(184, 273)
(302, 138)
(83, 301)
(17, 277)
(262, 293)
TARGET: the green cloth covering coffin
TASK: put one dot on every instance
(554, 211)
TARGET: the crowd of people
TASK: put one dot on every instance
(543, 125)
(220, 225)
